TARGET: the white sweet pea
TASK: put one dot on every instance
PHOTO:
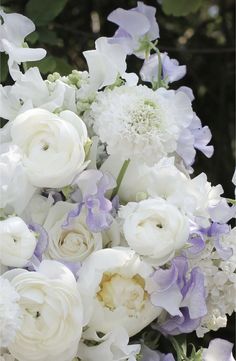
(106, 63)
(112, 347)
(112, 283)
(37, 209)
(13, 30)
(155, 229)
(15, 188)
(52, 313)
(52, 146)
(73, 243)
(17, 242)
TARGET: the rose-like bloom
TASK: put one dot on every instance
(137, 122)
(9, 312)
(74, 242)
(17, 242)
(52, 146)
(112, 283)
(52, 313)
(154, 228)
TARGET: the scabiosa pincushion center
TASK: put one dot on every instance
(131, 119)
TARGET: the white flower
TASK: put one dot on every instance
(9, 312)
(73, 243)
(13, 29)
(6, 357)
(112, 347)
(52, 146)
(113, 290)
(154, 228)
(17, 242)
(52, 313)
(37, 209)
(12, 179)
(106, 63)
(137, 122)
(31, 91)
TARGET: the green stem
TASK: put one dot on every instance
(232, 201)
(25, 66)
(180, 354)
(120, 177)
(159, 64)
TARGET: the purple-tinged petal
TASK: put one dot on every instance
(224, 252)
(170, 300)
(202, 137)
(218, 350)
(168, 357)
(73, 214)
(132, 22)
(222, 212)
(195, 295)
(42, 243)
(182, 266)
(73, 267)
(150, 13)
(198, 244)
(165, 278)
(154, 355)
(178, 324)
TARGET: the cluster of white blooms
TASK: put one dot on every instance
(103, 232)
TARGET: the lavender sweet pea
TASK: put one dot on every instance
(181, 296)
(40, 248)
(218, 350)
(148, 354)
(137, 27)
(171, 70)
(93, 186)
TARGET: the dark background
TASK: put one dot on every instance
(203, 40)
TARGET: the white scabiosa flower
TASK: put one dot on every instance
(155, 229)
(72, 243)
(52, 146)
(51, 311)
(112, 283)
(17, 242)
(137, 122)
(9, 312)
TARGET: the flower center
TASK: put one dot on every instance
(117, 290)
(146, 117)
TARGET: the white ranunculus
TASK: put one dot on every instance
(15, 188)
(112, 283)
(52, 146)
(52, 313)
(112, 347)
(17, 242)
(154, 228)
(73, 243)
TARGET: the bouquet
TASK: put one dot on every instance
(110, 249)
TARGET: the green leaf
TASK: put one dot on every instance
(42, 12)
(49, 37)
(180, 7)
(4, 67)
(46, 65)
(62, 66)
(33, 37)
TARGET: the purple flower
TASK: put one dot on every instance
(218, 350)
(194, 137)
(151, 355)
(93, 186)
(171, 70)
(182, 295)
(136, 26)
(40, 248)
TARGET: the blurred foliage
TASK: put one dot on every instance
(203, 39)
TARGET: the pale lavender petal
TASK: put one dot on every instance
(150, 13)
(224, 252)
(202, 137)
(216, 230)
(218, 350)
(165, 278)
(171, 69)
(170, 300)
(132, 22)
(73, 267)
(198, 244)
(222, 212)
(42, 243)
(73, 214)
(154, 355)
(168, 357)
(195, 295)
(178, 324)
(182, 266)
